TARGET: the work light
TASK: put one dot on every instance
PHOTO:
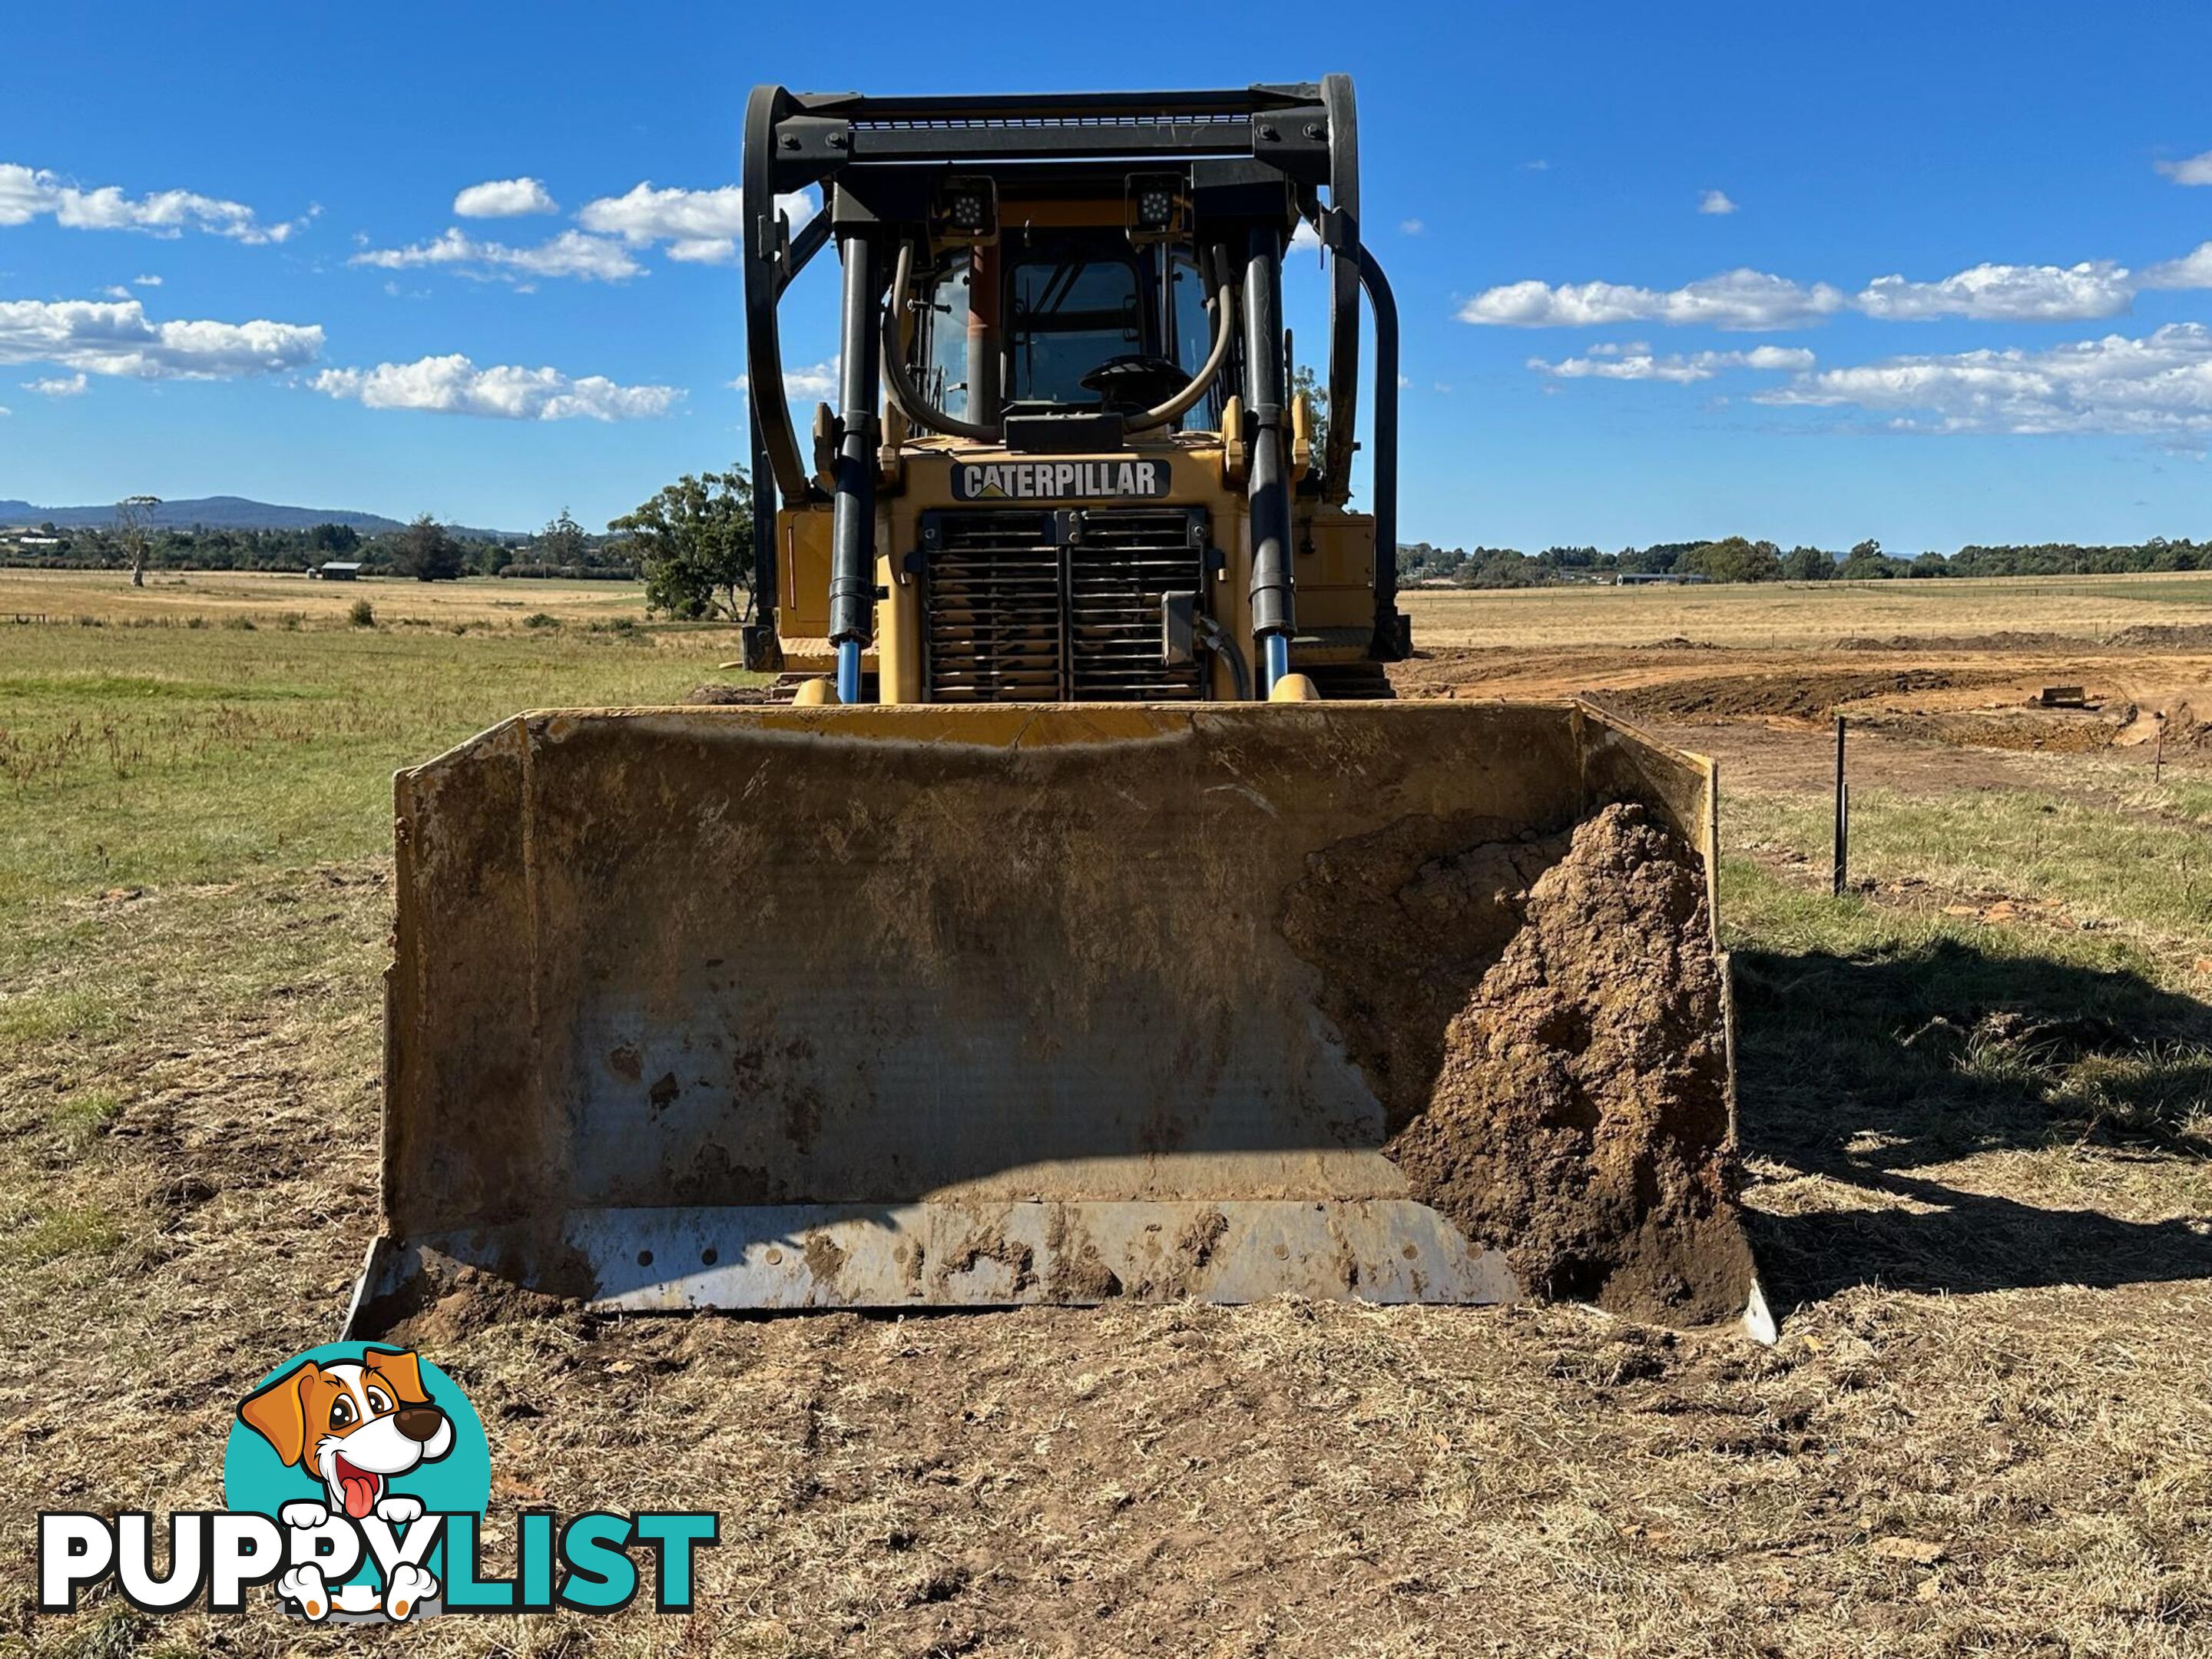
(967, 210)
(1156, 202)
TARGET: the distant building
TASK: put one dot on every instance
(1646, 578)
(337, 570)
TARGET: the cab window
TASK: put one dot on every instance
(941, 351)
(1068, 314)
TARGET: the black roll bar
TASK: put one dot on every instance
(1389, 629)
(1339, 231)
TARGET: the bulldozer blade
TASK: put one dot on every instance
(892, 1007)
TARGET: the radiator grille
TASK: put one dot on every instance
(1034, 606)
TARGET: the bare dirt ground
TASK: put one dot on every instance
(1977, 1146)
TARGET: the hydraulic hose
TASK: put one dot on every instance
(904, 393)
(1219, 638)
(1224, 329)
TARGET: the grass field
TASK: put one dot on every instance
(1795, 616)
(174, 598)
(1977, 1108)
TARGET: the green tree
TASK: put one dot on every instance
(694, 543)
(1735, 560)
(1807, 564)
(1866, 561)
(428, 553)
(560, 543)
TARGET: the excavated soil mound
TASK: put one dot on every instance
(1580, 1118)
(715, 693)
(1403, 924)
(2165, 636)
(1786, 696)
(2006, 639)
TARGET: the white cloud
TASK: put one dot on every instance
(2087, 292)
(1715, 201)
(2197, 170)
(504, 198)
(2158, 384)
(1412, 227)
(815, 383)
(1305, 236)
(2041, 293)
(2191, 271)
(71, 386)
(572, 253)
(145, 281)
(704, 250)
(701, 226)
(1748, 299)
(454, 386)
(28, 193)
(1638, 362)
(114, 336)
(116, 291)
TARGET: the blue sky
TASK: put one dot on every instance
(1581, 365)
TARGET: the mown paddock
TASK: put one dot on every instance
(1975, 1099)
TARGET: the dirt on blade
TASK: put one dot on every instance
(1580, 1120)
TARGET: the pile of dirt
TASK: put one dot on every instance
(2165, 636)
(2006, 639)
(1784, 696)
(2054, 732)
(1403, 924)
(714, 693)
(1580, 1120)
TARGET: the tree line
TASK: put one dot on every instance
(1737, 559)
(692, 544)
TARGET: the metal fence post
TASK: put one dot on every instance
(1842, 816)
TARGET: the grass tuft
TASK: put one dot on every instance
(70, 1231)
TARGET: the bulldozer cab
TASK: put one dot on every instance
(1077, 320)
(1093, 925)
(1073, 301)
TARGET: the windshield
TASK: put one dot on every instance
(1069, 312)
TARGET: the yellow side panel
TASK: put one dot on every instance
(802, 577)
(1336, 579)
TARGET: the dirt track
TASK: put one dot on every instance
(1981, 692)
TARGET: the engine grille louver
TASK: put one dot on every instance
(1026, 605)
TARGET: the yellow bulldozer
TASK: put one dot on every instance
(1086, 920)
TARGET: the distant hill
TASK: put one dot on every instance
(219, 513)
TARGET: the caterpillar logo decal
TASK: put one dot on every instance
(1059, 481)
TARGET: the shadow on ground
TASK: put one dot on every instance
(1869, 1070)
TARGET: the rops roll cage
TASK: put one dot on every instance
(1253, 158)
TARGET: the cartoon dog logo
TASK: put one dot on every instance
(354, 1427)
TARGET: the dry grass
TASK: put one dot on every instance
(1801, 614)
(1987, 1429)
(175, 598)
